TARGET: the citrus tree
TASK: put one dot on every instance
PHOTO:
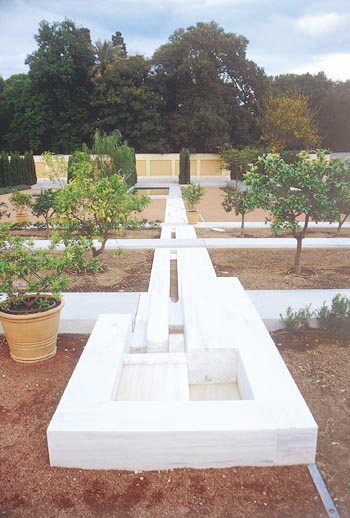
(292, 192)
(340, 177)
(241, 202)
(93, 205)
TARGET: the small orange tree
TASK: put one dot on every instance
(289, 191)
(288, 123)
(241, 202)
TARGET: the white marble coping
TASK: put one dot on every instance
(81, 310)
(190, 242)
(262, 224)
(155, 358)
(196, 434)
(220, 320)
(157, 334)
(97, 372)
(91, 430)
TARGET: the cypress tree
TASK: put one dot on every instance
(2, 170)
(13, 169)
(185, 173)
(22, 178)
(6, 169)
(17, 173)
(29, 166)
(33, 170)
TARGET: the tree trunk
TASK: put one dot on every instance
(242, 226)
(297, 264)
(48, 230)
(97, 251)
(299, 236)
(340, 223)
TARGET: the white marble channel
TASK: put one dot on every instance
(193, 381)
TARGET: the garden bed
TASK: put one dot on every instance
(29, 487)
(267, 232)
(128, 271)
(319, 365)
(259, 269)
(129, 233)
(153, 212)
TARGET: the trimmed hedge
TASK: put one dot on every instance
(16, 169)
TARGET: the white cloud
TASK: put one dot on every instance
(143, 46)
(336, 66)
(282, 35)
(315, 25)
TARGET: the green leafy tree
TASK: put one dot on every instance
(339, 176)
(94, 205)
(238, 160)
(127, 98)
(335, 109)
(288, 123)
(44, 206)
(241, 202)
(23, 123)
(292, 191)
(211, 88)
(114, 156)
(60, 72)
(21, 201)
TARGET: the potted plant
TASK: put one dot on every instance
(21, 203)
(30, 281)
(193, 195)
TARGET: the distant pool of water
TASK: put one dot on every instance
(154, 191)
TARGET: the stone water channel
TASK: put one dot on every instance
(194, 380)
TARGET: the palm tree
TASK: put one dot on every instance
(106, 53)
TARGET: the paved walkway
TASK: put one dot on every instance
(81, 310)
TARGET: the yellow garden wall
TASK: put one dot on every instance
(203, 165)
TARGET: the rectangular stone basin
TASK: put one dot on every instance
(165, 377)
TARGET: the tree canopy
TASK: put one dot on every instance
(288, 123)
(301, 190)
(211, 88)
(59, 71)
(199, 90)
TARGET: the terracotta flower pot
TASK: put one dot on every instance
(32, 337)
(192, 216)
(22, 217)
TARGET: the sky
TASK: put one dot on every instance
(285, 36)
